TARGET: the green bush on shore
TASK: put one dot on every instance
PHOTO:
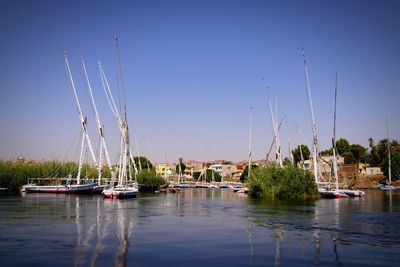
(272, 181)
(149, 178)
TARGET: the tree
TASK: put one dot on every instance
(395, 166)
(359, 152)
(217, 176)
(371, 142)
(245, 173)
(379, 151)
(305, 151)
(196, 175)
(342, 146)
(327, 152)
(183, 166)
(144, 162)
(286, 162)
(149, 178)
(348, 157)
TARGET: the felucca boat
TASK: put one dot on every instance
(126, 187)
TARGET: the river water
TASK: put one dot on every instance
(198, 227)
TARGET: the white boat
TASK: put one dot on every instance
(183, 185)
(200, 185)
(67, 188)
(386, 186)
(332, 193)
(243, 190)
(121, 192)
(61, 189)
(126, 187)
(354, 193)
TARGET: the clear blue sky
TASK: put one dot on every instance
(193, 69)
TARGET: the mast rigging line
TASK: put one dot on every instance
(107, 91)
(120, 78)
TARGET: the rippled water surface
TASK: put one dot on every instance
(198, 227)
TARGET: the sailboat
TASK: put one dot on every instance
(322, 187)
(335, 193)
(388, 186)
(315, 152)
(126, 187)
(68, 188)
(103, 145)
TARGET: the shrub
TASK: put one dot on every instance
(149, 178)
(290, 182)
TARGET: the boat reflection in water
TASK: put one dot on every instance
(103, 232)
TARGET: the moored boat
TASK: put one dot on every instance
(61, 189)
(121, 192)
(386, 186)
(243, 190)
(354, 193)
(326, 193)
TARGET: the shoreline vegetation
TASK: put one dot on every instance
(271, 181)
(266, 181)
(15, 174)
(149, 181)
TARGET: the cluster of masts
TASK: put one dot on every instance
(127, 183)
(126, 176)
(324, 188)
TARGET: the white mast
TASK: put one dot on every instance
(126, 153)
(138, 153)
(125, 114)
(250, 128)
(388, 142)
(85, 135)
(314, 128)
(274, 124)
(289, 142)
(335, 172)
(100, 129)
(301, 150)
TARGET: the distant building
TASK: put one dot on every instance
(217, 168)
(163, 169)
(373, 171)
(192, 166)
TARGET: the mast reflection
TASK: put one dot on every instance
(108, 229)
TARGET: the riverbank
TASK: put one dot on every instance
(363, 181)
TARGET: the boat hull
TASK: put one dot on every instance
(388, 187)
(354, 193)
(120, 193)
(332, 194)
(61, 189)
